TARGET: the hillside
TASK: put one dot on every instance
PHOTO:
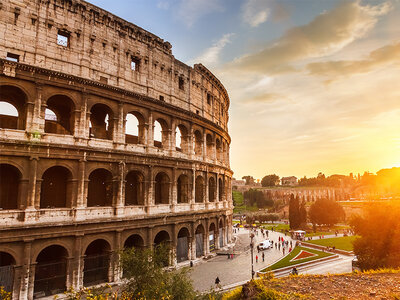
(378, 285)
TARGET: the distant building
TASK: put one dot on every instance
(289, 181)
(238, 182)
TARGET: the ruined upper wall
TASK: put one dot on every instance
(103, 47)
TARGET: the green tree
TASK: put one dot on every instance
(379, 242)
(270, 180)
(294, 212)
(148, 279)
(326, 212)
(303, 213)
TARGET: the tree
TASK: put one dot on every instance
(256, 197)
(303, 213)
(270, 180)
(294, 212)
(148, 279)
(379, 242)
(326, 212)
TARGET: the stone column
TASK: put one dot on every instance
(204, 145)
(173, 137)
(77, 263)
(150, 188)
(116, 266)
(25, 271)
(32, 182)
(150, 132)
(193, 242)
(207, 238)
(192, 200)
(120, 201)
(119, 125)
(174, 193)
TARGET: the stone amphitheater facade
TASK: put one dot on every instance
(77, 182)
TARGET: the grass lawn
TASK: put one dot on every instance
(343, 243)
(326, 231)
(277, 227)
(285, 262)
(239, 203)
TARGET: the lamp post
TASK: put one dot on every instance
(251, 250)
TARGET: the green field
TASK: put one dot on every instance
(342, 243)
(277, 227)
(239, 203)
(285, 262)
(326, 231)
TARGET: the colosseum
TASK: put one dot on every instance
(107, 141)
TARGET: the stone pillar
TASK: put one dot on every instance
(192, 242)
(174, 244)
(31, 280)
(150, 188)
(116, 266)
(32, 182)
(150, 132)
(173, 136)
(204, 145)
(119, 125)
(174, 188)
(192, 200)
(120, 195)
(81, 127)
(26, 271)
(23, 195)
(37, 120)
(206, 187)
(207, 238)
(150, 241)
(29, 117)
(143, 130)
(77, 263)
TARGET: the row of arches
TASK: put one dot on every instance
(57, 188)
(54, 263)
(102, 122)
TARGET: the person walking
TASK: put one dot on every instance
(217, 282)
(256, 258)
(263, 256)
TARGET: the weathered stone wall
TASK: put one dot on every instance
(101, 47)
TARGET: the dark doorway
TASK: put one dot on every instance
(100, 191)
(9, 186)
(97, 263)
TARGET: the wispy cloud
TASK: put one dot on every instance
(326, 34)
(211, 56)
(255, 12)
(380, 57)
(190, 11)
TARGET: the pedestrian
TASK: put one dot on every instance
(263, 256)
(283, 250)
(256, 258)
(258, 248)
(294, 271)
(291, 245)
(217, 282)
(267, 233)
(279, 246)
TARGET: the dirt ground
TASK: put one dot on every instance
(348, 286)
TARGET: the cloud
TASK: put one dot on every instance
(326, 34)
(210, 56)
(255, 12)
(189, 11)
(266, 98)
(377, 58)
(163, 4)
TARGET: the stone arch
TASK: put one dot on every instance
(135, 128)
(134, 188)
(221, 189)
(63, 120)
(101, 121)
(56, 188)
(199, 189)
(161, 133)
(221, 232)
(183, 189)
(182, 247)
(211, 189)
(197, 142)
(7, 264)
(135, 241)
(51, 271)
(100, 188)
(97, 263)
(17, 98)
(182, 138)
(211, 236)
(161, 188)
(162, 238)
(218, 147)
(200, 239)
(210, 145)
(10, 179)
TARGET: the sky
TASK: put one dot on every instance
(314, 84)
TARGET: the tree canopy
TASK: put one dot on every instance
(326, 212)
(257, 197)
(269, 180)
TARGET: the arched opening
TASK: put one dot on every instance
(218, 147)
(51, 271)
(181, 139)
(7, 263)
(12, 107)
(183, 189)
(223, 155)
(210, 146)
(134, 241)
(59, 115)
(101, 122)
(160, 133)
(162, 241)
(100, 189)
(211, 237)
(10, 178)
(56, 188)
(134, 189)
(162, 188)
(199, 240)
(220, 190)
(198, 143)
(199, 189)
(211, 189)
(221, 233)
(182, 247)
(97, 263)
(134, 132)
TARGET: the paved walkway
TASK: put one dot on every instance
(238, 269)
